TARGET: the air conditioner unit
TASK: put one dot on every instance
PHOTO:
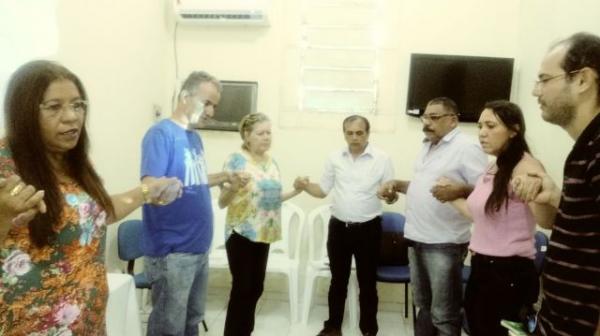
(222, 12)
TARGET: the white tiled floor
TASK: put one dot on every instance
(272, 316)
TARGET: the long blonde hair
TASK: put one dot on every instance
(247, 125)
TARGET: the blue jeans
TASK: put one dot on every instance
(436, 278)
(179, 282)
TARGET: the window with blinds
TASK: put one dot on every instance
(338, 57)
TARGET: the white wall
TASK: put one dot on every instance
(118, 49)
(21, 23)
(543, 23)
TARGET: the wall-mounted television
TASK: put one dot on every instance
(238, 98)
(470, 81)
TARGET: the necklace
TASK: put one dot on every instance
(262, 163)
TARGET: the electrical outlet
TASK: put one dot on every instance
(156, 111)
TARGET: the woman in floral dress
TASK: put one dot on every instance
(54, 209)
(253, 221)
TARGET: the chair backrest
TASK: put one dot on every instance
(318, 228)
(129, 240)
(292, 222)
(394, 248)
(392, 222)
(541, 245)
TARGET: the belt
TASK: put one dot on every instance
(349, 224)
(417, 244)
(510, 260)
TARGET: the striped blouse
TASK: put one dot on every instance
(571, 277)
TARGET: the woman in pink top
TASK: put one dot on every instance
(503, 282)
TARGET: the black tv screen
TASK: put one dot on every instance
(238, 98)
(468, 80)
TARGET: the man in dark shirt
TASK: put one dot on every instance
(568, 91)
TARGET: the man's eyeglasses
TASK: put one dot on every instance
(543, 80)
(434, 117)
(54, 108)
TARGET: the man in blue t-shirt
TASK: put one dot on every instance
(176, 238)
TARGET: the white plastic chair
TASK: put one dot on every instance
(318, 262)
(284, 254)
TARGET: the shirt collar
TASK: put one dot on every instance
(368, 151)
(590, 132)
(448, 137)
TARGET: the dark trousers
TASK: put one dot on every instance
(247, 264)
(361, 240)
(499, 288)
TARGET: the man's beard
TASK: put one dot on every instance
(561, 112)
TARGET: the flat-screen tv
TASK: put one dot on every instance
(238, 98)
(470, 81)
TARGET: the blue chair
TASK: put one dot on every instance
(541, 245)
(394, 222)
(129, 249)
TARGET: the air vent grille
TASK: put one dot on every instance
(215, 16)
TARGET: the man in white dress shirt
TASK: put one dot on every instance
(439, 235)
(354, 175)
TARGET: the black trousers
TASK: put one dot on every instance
(499, 288)
(247, 264)
(361, 240)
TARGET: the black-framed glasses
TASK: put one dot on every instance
(55, 108)
(434, 117)
(543, 80)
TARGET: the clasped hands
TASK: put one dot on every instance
(236, 180)
(530, 187)
(162, 190)
(301, 183)
(444, 190)
(19, 202)
(448, 190)
(536, 187)
(387, 192)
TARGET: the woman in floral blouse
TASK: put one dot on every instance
(54, 209)
(253, 221)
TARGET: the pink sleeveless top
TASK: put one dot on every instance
(509, 232)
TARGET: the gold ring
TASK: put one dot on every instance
(16, 190)
(160, 202)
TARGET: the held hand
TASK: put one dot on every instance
(163, 190)
(19, 203)
(387, 192)
(391, 199)
(526, 187)
(446, 189)
(237, 180)
(536, 187)
(301, 182)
